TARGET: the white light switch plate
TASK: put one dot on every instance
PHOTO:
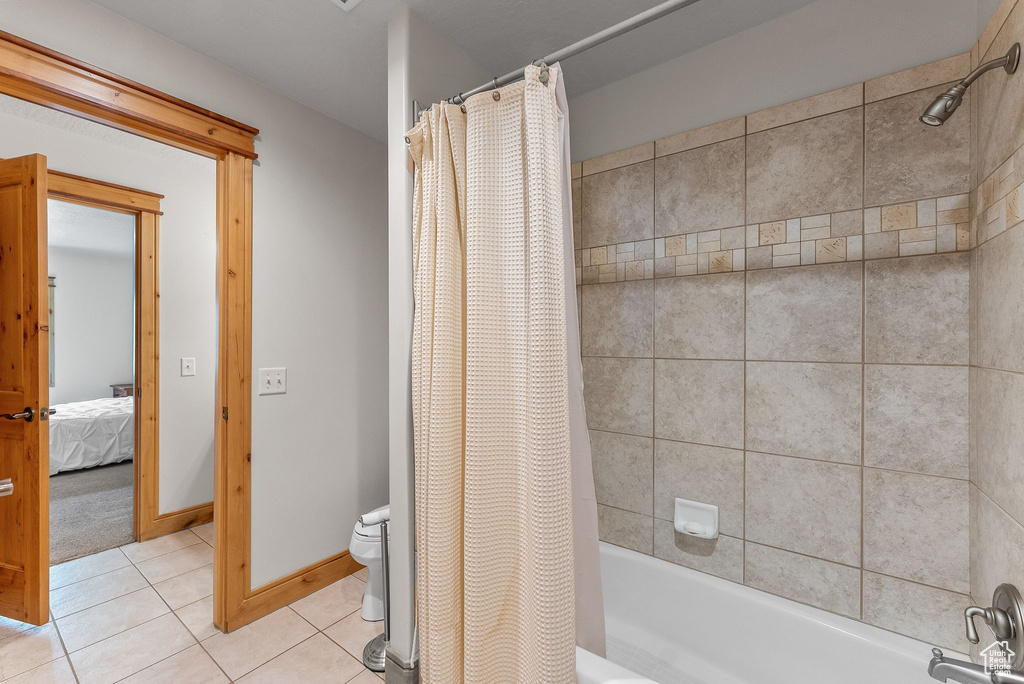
(188, 367)
(273, 381)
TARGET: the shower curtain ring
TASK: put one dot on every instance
(543, 78)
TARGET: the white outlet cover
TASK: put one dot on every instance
(273, 381)
(188, 367)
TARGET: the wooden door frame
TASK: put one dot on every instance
(144, 206)
(37, 74)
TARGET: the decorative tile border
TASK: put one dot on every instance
(928, 226)
(998, 202)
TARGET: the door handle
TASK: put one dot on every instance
(6, 487)
(27, 415)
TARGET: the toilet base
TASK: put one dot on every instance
(373, 592)
(374, 654)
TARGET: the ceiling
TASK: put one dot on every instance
(336, 61)
(89, 229)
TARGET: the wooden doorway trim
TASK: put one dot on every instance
(148, 522)
(37, 74)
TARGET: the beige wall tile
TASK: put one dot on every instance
(724, 130)
(997, 548)
(924, 76)
(931, 615)
(809, 107)
(812, 410)
(722, 557)
(700, 189)
(999, 100)
(759, 257)
(907, 517)
(577, 213)
(699, 317)
(804, 506)
(618, 205)
(982, 49)
(626, 529)
(899, 216)
(1000, 290)
(881, 245)
(822, 584)
(997, 416)
(916, 310)
(784, 167)
(576, 170)
(805, 314)
(699, 401)
(613, 160)
(619, 394)
(699, 473)
(623, 470)
(915, 419)
(907, 160)
(848, 223)
(618, 319)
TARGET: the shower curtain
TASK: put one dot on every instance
(502, 458)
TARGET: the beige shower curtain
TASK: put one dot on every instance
(498, 460)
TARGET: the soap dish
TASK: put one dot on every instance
(696, 519)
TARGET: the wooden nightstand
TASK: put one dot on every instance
(126, 389)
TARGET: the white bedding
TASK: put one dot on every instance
(91, 433)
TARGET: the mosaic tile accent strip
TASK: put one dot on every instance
(998, 203)
(928, 226)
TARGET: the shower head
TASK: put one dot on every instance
(945, 104)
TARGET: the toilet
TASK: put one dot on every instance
(365, 550)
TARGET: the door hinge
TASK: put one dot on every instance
(224, 412)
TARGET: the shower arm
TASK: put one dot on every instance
(1008, 62)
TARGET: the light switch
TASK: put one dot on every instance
(188, 367)
(273, 381)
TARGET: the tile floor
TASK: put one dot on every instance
(143, 614)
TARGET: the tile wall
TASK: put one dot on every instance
(775, 319)
(997, 317)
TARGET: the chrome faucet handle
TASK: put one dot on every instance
(997, 619)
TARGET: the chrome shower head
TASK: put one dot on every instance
(945, 104)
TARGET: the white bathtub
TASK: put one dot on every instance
(676, 625)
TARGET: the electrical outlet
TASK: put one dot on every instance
(273, 381)
(188, 367)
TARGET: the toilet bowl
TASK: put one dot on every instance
(365, 550)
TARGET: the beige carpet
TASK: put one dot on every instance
(90, 511)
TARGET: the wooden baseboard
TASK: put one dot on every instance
(176, 521)
(290, 588)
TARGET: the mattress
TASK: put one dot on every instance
(85, 434)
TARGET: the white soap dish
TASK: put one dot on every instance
(696, 519)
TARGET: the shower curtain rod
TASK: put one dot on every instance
(656, 12)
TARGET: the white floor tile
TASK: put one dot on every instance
(176, 562)
(248, 647)
(332, 603)
(205, 532)
(198, 617)
(315, 661)
(28, 650)
(84, 568)
(353, 633)
(10, 627)
(187, 588)
(94, 624)
(129, 652)
(87, 593)
(54, 672)
(191, 666)
(142, 551)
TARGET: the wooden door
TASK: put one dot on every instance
(24, 389)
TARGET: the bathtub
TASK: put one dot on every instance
(670, 624)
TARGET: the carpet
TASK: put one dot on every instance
(90, 511)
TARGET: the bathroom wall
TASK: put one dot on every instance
(997, 321)
(775, 320)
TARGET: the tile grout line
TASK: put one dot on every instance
(64, 647)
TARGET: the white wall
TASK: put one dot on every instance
(416, 53)
(94, 328)
(820, 47)
(188, 248)
(319, 283)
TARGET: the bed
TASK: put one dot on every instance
(85, 434)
